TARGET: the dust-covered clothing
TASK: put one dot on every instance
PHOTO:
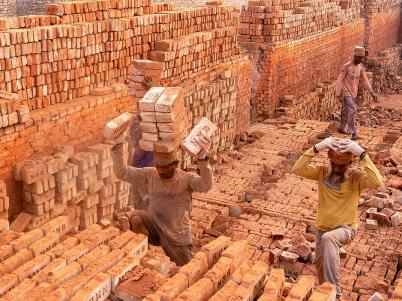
(177, 253)
(337, 211)
(338, 208)
(327, 254)
(170, 200)
(349, 79)
(348, 113)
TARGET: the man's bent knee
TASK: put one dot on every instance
(137, 225)
(327, 238)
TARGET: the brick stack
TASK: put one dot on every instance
(99, 24)
(122, 195)
(274, 21)
(377, 6)
(81, 185)
(164, 120)
(89, 184)
(106, 196)
(34, 7)
(385, 70)
(44, 264)
(211, 90)
(89, 11)
(319, 104)
(37, 174)
(4, 203)
(13, 113)
(8, 8)
(388, 19)
(175, 60)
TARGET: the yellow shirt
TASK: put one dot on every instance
(337, 208)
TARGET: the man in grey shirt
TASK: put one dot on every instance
(167, 220)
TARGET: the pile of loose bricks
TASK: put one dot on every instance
(278, 208)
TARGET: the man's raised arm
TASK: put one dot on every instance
(302, 166)
(120, 168)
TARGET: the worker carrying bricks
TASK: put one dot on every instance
(351, 76)
(339, 189)
(167, 220)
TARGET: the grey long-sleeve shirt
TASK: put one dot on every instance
(170, 199)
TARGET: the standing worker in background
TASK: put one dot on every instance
(167, 220)
(339, 190)
(140, 159)
(347, 85)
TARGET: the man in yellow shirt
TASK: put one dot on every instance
(339, 190)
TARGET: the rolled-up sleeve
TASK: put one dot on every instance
(122, 171)
(371, 177)
(204, 181)
(303, 167)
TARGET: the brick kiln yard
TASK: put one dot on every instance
(64, 73)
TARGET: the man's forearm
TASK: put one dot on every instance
(204, 182)
(120, 168)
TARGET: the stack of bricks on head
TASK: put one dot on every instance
(164, 122)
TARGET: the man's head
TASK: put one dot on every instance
(340, 162)
(359, 55)
(166, 164)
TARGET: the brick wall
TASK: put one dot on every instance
(296, 68)
(7, 8)
(382, 31)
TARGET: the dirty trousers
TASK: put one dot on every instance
(180, 254)
(327, 254)
(348, 113)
